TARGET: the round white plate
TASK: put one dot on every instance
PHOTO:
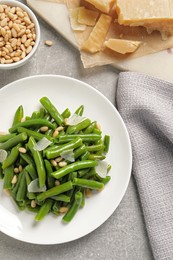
(66, 92)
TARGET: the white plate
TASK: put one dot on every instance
(66, 92)
(158, 64)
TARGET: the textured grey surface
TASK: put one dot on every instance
(123, 235)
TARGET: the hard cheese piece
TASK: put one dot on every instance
(87, 17)
(104, 5)
(75, 25)
(152, 14)
(97, 37)
(122, 46)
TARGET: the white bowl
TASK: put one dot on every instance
(37, 29)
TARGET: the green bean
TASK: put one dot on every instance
(35, 114)
(106, 179)
(38, 162)
(90, 128)
(1, 172)
(55, 208)
(55, 191)
(42, 112)
(80, 126)
(32, 122)
(96, 157)
(90, 184)
(79, 111)
(85, 156)
(13, 141)
(90, 174)
(35, 210)
(53, 152)
(22, 189)
(49, 170)
(66, 113)
(61, 197)
(8, 176)
(44, 210)
(37, 136)
(95, 148)
(27, 158)
(83, 172)
(19, 114)
(52, 110)
(79, 151)
(83, 199)
(12, 157)
(74, 208)
(4, 138)
(32, 171)
(50, 132)
(106, 143)
(73, 167)
(30, 195)
(84, 137)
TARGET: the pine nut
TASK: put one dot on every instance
(60, 128)
(14, 42)
(63, 209)
(57, 183)
(13, 10)
(17, 34)
(49, 43)
(27, 43)
(16, 27)
(33, 204)
(8, 61)
(10, 15)
(88, 193)
(4, 22)
(31, 26)
(58, 159)
(23, 39)
(44, 128)
(27, 20)
(3, 31)
(20, 14)
(14, 180)
(22, 150)
(2, 61)
(29, 49)
(16, 170)
(1, 9)
(62, 164)
(55, 133)
(23, 55)
(20, 168)
(54, 163)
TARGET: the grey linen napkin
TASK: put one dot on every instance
(146, 105)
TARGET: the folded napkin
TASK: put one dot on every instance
(146, 105)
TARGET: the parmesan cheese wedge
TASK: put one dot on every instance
(75, 25)
(97, 37)
(102, 5)
(122, 46)
(87, 17)
(152, 14)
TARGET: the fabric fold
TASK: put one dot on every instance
(146, 106)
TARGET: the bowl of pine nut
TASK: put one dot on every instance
(19, 34)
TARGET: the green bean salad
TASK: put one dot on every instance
(52, 161)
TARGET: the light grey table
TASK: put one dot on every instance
(123, 235)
